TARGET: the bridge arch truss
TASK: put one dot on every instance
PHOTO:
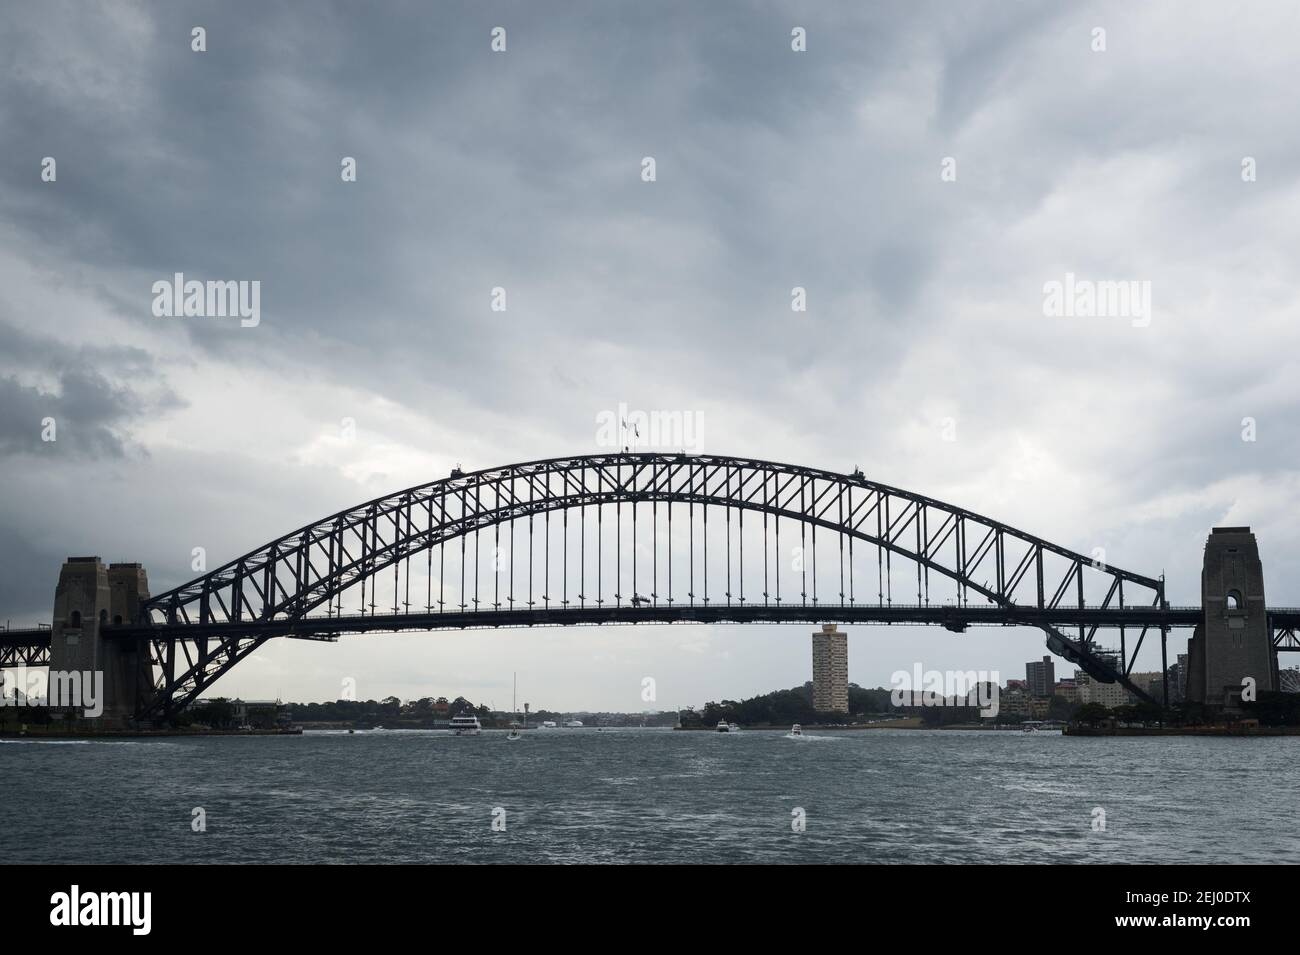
(636, 537)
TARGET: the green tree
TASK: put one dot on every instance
(218, 713)
(1275, 709)
(1092, 713)
(1147, 712)
(1059, 708)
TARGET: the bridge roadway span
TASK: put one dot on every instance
(953, 618)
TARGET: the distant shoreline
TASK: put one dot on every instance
(1084, 730)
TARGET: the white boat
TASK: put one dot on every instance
(725, 727)
(466, 724)
(574, 724)
(514, 735)
(796, 730)
(548, 724)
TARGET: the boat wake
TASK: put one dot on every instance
(85, 742)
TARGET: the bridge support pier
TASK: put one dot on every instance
(1232, 645)
(89, 597)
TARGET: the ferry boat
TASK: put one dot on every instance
(466, 724)
(725, 727)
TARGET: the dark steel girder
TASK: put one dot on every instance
(25, 648)
(700, 469)
(954, 618)
(16, 655)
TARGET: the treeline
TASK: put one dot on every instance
(390, 712)
(1275, 708)
(784, 707)
(789, 706)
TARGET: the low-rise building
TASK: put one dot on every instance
(1017, 701)
(1153, 682)
(1107, 694)
(1067, 690)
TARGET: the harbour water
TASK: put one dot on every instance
(652, 796)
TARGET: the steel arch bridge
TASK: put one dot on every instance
(638, 537)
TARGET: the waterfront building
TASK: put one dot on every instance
(1013, 701)
(830, 661)
(1067, 690)
(1016, 700)
(1175, 683)
(1040, 677)
(1107, 694)
(1153, 682)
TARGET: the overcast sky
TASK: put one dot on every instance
(522, 169)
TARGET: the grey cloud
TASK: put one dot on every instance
(92, 413)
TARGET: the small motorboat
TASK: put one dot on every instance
(796, 731)
(514, 735)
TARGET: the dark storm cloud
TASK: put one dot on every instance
(475, 171)
(89, 415)
(28, 574)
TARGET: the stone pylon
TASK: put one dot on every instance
(88, 599)
(1232, 647)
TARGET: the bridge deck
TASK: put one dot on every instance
(952, 617)
(26, 637)
(898, 614)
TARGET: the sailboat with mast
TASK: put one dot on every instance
(514, 735)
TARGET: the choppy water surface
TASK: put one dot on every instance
(653, 796)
